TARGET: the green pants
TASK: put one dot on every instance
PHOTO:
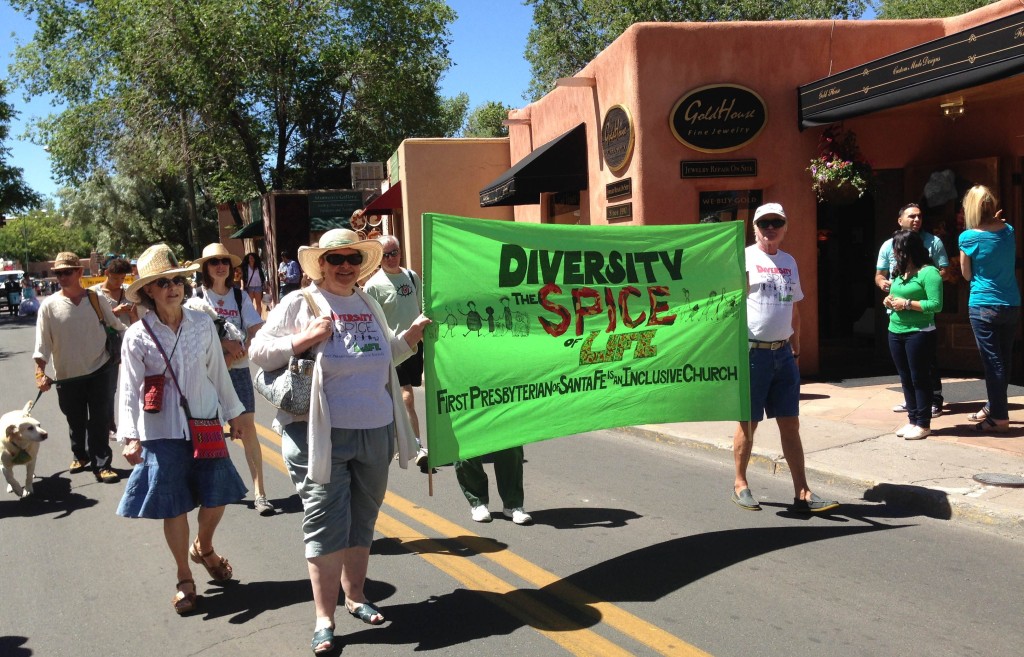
(508, 473)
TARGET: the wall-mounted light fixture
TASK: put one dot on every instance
(953, 109)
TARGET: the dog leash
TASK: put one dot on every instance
(33, 404)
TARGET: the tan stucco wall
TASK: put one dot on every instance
(653, 64)
(445, 176)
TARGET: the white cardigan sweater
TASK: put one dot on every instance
(272, 347)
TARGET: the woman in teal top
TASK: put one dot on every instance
(988, 254)
(914, 298)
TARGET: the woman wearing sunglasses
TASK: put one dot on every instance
(338, 455)
(237, 308)
(174, 348)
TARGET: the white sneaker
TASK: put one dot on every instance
(518, 515)
(481, 514)
(917, 433)
(899, 408)
(902, 431)
(421, 458)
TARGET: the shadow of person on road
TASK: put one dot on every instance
(52, 496)
(567, 604)
(14, 646)
(462, 546)
(583, 518)
(244, 601)
(885, 501)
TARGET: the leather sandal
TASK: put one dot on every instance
(980, 416)
(323, 641)
(220, 571)
(186, 604)
(988, 425)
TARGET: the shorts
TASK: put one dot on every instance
(410, 371)
(256, 289)
(774, 383)
(241, 379)
(344, 512)
(170, 482)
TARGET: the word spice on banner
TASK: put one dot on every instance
(543, 331)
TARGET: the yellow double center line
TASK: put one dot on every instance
(570, 635)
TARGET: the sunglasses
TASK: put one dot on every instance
(391, 254)
(61, 273)
(219, 261)
(164, 283)
(337, 259)
(770, 223)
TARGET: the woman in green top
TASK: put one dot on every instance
(914, 298)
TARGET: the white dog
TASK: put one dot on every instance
(22, 435)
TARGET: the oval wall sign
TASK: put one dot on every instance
(718, 118)
(617, 137)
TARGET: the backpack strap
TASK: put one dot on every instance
(238, 302)
(96, 306)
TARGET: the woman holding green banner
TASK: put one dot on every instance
(338, 455)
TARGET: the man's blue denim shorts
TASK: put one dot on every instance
(774, 383)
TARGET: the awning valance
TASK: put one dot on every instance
(249, 231)
(984, 53)
(558, 166)
(387, 202)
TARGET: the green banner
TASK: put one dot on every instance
(543, 331)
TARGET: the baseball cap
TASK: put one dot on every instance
(770, 210)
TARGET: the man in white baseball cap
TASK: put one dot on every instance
(773, 332)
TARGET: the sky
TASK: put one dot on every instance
(488, 40)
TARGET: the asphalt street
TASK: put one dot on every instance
(636, 550)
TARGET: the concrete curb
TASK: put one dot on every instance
(931, 502)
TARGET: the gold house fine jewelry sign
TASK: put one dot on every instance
(617, 137)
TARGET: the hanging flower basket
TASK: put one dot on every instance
(840, 174)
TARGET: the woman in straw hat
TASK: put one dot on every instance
(234, 307)
(338, 455)
(174, 347)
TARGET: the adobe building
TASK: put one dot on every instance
(677, 123)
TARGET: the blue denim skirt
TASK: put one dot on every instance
(170, 482)
(241, 380)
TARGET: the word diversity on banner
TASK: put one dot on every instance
(543, 331)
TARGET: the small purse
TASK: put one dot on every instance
(289, 388)
(206, 434)
(114, 338)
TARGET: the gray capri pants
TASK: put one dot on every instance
(343, 513)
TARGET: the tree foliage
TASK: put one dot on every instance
(45, 233)
(486, 120)
(568, 34)
(126, 214)
(904, 9)
(15, 194)
(242, 95)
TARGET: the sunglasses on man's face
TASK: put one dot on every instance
(164, 283)
(61, 273)
(219, 261)
(391, 254)
(770, 223)
(337, 259)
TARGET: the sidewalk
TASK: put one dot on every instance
(847, 432)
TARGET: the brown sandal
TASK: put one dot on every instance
(220, 572)
(187, 604)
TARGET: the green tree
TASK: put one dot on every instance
(44, 233)
(486, 120)
(568, 34)
(904, 9)
(15, 194)
(239, 96)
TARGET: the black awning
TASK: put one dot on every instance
(558, 166)
(984, 53)
(387, 202)
(250, 230)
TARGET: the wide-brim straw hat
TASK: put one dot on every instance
(333, 240)
(66, 260)
(158, 261)
(217, 250)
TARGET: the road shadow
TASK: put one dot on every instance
(244, 601)
(566, 605)
(462, 546)
(887, 502)
(582, 518)
(14, 646)
(53, 495)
